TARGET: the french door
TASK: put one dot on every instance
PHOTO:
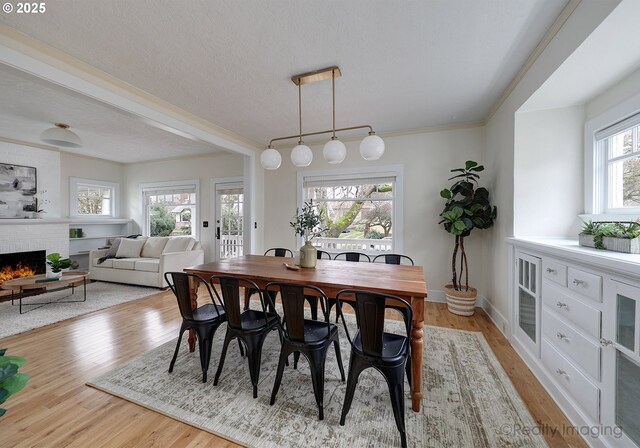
(229, 202)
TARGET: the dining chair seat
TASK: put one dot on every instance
(393, 346)
(316, 331)
(254, 320)
(208, 312)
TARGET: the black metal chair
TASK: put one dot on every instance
(312, 338)
(273, 252)
(371, 346)
(250, 326)
(353, 256)
(393, 259)
(322, 255)
(204, 320)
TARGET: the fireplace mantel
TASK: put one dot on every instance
(13, 222)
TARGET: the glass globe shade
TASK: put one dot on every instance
(301, 156)
(270, 159)
(334, 151)
(372, 147)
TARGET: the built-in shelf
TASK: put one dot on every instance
(99, 221)
(13, 222)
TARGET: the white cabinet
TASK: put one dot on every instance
(95, 234)
(579, 332)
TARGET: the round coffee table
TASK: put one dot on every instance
(24, 285)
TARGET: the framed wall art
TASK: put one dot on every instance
(18, 187)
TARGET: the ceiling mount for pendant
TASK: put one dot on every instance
(334, 151)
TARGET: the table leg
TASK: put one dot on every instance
(194, 304)
(417, 324)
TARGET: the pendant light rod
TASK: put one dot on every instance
(333, 90)
(300, 110)
(328, 131)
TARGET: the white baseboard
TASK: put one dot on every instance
(482, 302)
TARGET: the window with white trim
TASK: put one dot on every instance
(360, 209)
(171, 209)
(93, 198)
(618, 173)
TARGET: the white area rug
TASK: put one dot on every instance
(100, 295)
(468, 399)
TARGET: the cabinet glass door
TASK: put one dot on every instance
(527, 308)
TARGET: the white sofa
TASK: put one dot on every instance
(157, 256)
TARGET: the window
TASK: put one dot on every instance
(171, 208)
(618, 146)
(360, 208)
(93, 198)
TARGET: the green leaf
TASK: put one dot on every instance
(4, 394)
(459, 225)
(446, 194)
(470, 164)
(477, 168)
(457, 211)
(2, 411)
(7, 370)
(15, 383)
(18, 360)
(3, 351)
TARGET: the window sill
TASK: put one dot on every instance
(616, 217)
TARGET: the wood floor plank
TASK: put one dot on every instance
(57, 409)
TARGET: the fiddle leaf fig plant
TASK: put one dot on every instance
(467, 207)
(57, 263)
(11, 381)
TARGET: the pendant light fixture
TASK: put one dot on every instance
(334, 151)
(60, 135)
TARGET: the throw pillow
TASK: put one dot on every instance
(130, 248)
(177, 244)
(153, 246)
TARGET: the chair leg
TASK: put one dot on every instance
(407, 368)
(395, 380)
(296, 358)
(336, 345)
(284, 354)
(241, 347)
(317, 360)
(254, 353)
(355, 367)
(204, 345)
(175, 353)
(227, 339)
(313, 304)
(247, 298)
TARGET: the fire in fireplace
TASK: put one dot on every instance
(22, 264)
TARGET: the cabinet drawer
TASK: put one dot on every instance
(583, 391)
(572, 309)
(585, 284)
(580, 349)
(555, 271)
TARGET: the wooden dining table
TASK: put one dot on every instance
(332, 276)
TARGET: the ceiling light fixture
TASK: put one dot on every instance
(60, 135)
(334, 151)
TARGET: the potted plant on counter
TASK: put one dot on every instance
(615, 236)
(307, 224)
(467, 208)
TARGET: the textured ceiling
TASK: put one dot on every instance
(31, 105)
(405, 64)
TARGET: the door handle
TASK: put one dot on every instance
(218, 232)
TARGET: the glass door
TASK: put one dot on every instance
(527, 309)
(621, 340)
(229, 241)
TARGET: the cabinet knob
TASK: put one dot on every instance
(561, 305)
(562, 336)
(551, 271)
(606, 342)
(578, 282)
(562, 373)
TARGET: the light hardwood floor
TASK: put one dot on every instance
(56, 409)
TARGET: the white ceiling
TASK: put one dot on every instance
(406, 64)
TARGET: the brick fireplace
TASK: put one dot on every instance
(22, 264)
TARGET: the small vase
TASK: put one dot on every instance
(51, 274)
(308, 255)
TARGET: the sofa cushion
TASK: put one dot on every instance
(130, 248)
(149, 265)
(105, 264)
(125, 263)
(153, 247)
(179, 244)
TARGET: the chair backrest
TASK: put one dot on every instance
(370, 310)
(230, 288)
(393, 259)
(322, 254)
(292, 297)
(279, 252)
(352, 256)
(180, 284)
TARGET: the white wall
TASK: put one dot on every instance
(548, 172)
(621, 91)
(47, 164)
(427, 159)
(203, 168)
(73, 165)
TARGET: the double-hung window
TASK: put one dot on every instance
(93, 198)
(171, 208)
(362, 210)
(618, 151)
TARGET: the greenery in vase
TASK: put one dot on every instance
(467, 208)
(308, 223)
(599, 230)
(57, 263)
(10, 380)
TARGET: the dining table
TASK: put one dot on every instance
(332, 276)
